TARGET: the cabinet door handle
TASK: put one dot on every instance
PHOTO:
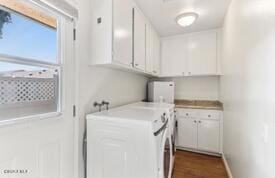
(195, 121)
(182, 73)
(199, 121)
(99, 20)
(136, 64)
(187, 114)
(209, 115)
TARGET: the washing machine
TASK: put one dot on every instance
(169, 109)
(128, 143)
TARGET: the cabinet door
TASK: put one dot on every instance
(187, 133)
(122, 31)
(209, 135)
(202, 54)
(174, 56)
(156, 53)
(139, 40)
(149, 48)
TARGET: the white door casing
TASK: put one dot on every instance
(44, 147)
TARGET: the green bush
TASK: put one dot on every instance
(5, 17)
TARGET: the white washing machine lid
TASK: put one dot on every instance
(166, 107)
(152, 105)
(127, 114)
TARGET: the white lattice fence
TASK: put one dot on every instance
(27, 90)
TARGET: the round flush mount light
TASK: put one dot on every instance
(187, 19)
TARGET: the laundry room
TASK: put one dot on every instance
(137, 88)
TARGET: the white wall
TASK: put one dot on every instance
(248, 87)
(196, 88)
(96, 84)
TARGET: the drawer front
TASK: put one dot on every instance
(209, 114)
(191, 113)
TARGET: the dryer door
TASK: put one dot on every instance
(167, 157)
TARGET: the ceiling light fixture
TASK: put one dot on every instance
(187, 19)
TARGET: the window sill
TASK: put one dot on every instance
(32, 118)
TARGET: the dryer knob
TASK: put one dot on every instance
(163, 119)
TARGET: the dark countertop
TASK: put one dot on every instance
(199, 104)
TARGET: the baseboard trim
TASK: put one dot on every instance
(229, 173)
(199, 151)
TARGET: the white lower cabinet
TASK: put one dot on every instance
(200, 130)
(209, 135)
(187, 132)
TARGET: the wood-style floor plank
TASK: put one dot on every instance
(193, 165)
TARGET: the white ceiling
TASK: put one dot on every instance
(162, 14)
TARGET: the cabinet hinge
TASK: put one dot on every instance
(74, 34)
(74, 110)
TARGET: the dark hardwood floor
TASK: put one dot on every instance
(193, 165)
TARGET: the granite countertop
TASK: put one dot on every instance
(199, 104)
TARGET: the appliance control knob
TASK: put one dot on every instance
(163, 118)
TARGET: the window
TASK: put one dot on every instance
(29, 61)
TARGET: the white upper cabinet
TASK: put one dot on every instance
(190, 55)
(202, 51)
(111, 41)
(149, 49)
(122, 31)
(156, 54)
(152, 50)
(101, 32)
(174, 57)
(123, 38)
(139, 39)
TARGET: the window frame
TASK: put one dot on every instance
(35, 62)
